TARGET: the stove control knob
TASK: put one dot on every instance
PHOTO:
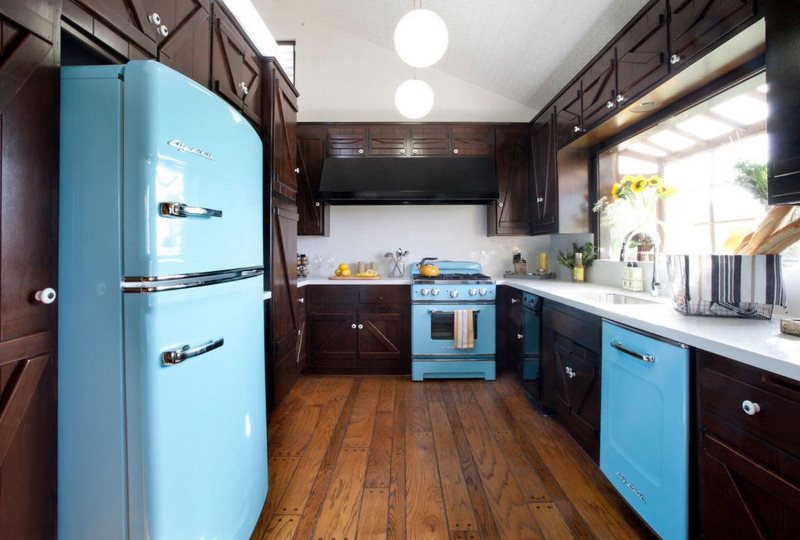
(483, 292)
(425, 292)
(453, 294)
(473, 292)
(435, 292)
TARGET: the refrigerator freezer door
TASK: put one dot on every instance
(192, 178)
(196, 411)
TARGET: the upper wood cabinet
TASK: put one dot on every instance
(125, 27)
(429, 140)
(509, 215)
(235, 71)
(184, 43)
(783, 123)
(697, 25)
(346, 141)
(569, 114)
(279, 133)
(314, 214)
(387, 140)
(472, 141)
(599, 90)
(642, 53)
(544, 176)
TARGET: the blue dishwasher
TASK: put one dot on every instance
(644, 419)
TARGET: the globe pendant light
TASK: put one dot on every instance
(414, 98)
(420, 38)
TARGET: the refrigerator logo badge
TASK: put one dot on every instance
(183, 147)
(631, 487)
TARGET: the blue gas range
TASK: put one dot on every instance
(434, 301)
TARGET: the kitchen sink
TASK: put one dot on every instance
(617, 298)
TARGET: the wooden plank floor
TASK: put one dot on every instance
(385, 458)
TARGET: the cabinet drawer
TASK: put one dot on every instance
(580, 327)
(331, 294)
(384, 294)
(725, 385)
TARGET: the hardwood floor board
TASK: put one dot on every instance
(526, 475)
(461, 391)
(281, 470)
(457, 504)
(359, 432)
(380, 452)
(464, 535)
(287, 407)
(279, 528)
(551, 521)
(477, 495)
(293, 436)
(417, 408)
(316, 497)
(338, 519)
(372, 524)
(396, 522)
(505, 497)
(425, 513)
(386, 400)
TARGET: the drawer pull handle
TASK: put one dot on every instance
(649, 358)
(750, 407)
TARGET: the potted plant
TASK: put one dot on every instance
(587, 251)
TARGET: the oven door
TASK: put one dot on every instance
(432, 330)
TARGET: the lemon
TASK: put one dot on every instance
(346, 272)
(344, 266)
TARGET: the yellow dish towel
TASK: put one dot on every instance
(463, 329)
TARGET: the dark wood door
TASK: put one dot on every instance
(473, 141)
(184, 43)
(346, 141)
(129, 28)
(28, 245)
(333, 336)
(283, 167)
(544, 178)
(228, 50)
(642, 53)
(783, 123)
(510, 215)
(696, 26)
(430, 141)
(383, 338)
(314, 214)
(251, 85)
(568, 115)
(599, 85)
(387, 140)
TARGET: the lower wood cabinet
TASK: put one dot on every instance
(571, 343)
(358, 328)
(509, 323)
(749, 456)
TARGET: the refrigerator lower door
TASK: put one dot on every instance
(196, 411)
(644, 426)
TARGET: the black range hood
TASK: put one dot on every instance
(408, 180)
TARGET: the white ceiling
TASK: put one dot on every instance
(525, 50)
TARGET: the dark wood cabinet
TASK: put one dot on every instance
(569, 112)
(571, 342)
(279, 133)
(314, 214)
(471, 140)
(783, 123)
(430, 140)
(346, 141)
(184, 43)
(29, 84)
(509, 322)
(599, 90)
(387, 140)
(749, 463)
(544, 177)
(642, 53)
(359, 328)
(696, 26)
(126, 28)
(235, 69)
(510, 215)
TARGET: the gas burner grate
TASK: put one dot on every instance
(452, 277)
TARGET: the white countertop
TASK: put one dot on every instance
(325, 281)
(755, 342)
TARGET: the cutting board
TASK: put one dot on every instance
(354, 278)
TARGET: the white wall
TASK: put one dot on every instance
(341, 77)
(366, 233)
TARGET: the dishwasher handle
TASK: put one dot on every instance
(649, 358)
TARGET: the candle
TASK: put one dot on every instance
(542, 269)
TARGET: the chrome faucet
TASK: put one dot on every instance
(655, 284)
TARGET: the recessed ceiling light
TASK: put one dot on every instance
(670, 140)
(742, 109)
(704, 127)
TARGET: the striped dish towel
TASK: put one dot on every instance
(463, 329)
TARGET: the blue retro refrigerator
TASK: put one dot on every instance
(161, 406)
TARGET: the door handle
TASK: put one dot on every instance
(174, 209)
(649, 358)
(170, 358)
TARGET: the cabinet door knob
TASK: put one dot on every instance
(750, 407)
(674, 59)
(297, 170)
(519, 336)
(360, 326)
(163, 30)
(154, 18)
(360, 150)
(243, 88)
(514, 300)
(576, 129)
(540, 199)
(353, 326)
(414, 152)
(609, 104)
(402, 150)
(45, 296)
(316, 203)
(455, 150)
(570, 372)
(620, 98)
(301, 300)
(499, 205)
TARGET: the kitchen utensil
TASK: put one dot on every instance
(427, 269)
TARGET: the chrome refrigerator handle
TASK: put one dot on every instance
(649, 358)
(170, 358)
(174, 209)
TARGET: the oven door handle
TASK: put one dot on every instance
(437, 312)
